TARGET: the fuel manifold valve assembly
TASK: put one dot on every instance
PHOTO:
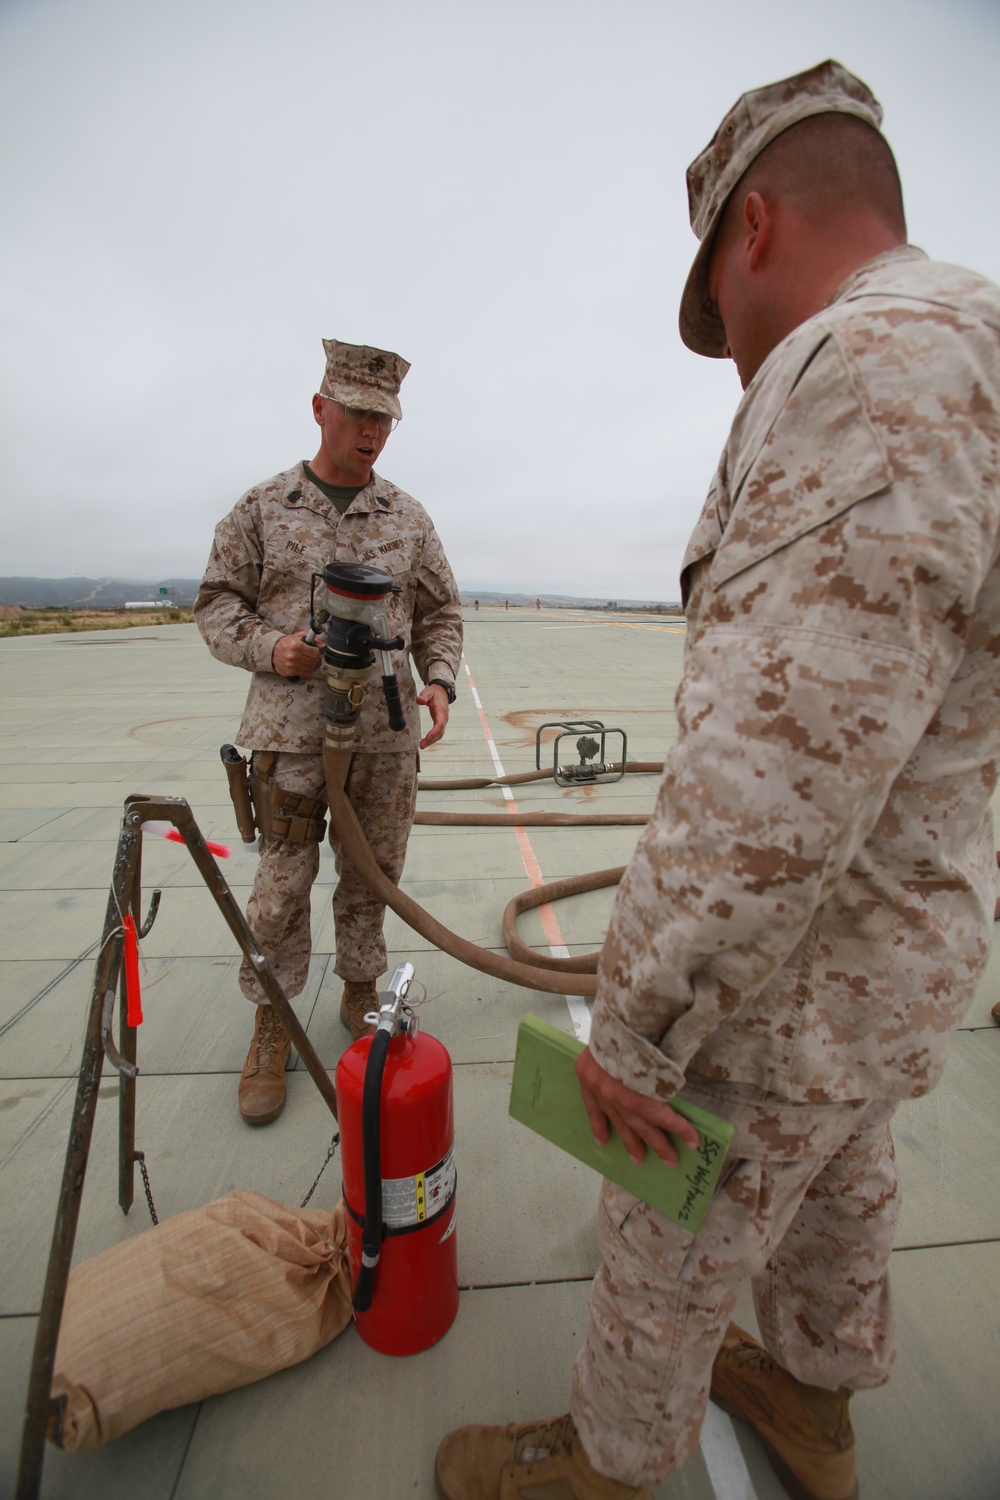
(594, 765)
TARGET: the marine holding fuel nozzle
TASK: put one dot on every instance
(352, 608)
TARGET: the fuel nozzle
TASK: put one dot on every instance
(351, 605)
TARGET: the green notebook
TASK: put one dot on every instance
(545, 1096)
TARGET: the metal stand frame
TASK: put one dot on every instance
(583, 774)
(125, 897)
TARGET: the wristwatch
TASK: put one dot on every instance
(449, 687)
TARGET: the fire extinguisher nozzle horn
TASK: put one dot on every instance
(400, 981)
(362, 1299)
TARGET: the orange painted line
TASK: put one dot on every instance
(546, 913)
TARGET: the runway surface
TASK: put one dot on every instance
(88, 719)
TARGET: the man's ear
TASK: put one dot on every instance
(318, 409)
(758, 225)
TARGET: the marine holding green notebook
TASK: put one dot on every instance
(809, 909)
(545, 1095)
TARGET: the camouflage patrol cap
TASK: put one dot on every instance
(754, 122)
(359, 376)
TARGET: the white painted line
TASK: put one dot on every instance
(576, 1004)
(579, 1015)
(727, 1470)
(497, 763)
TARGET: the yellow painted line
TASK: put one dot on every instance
(679, 629)
(566, 617)
(635, 625)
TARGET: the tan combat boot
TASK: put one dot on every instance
(516, 1463)
(262, 1087)
(359, 997)
(806, 1430)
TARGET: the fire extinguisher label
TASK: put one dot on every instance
(410, 1201)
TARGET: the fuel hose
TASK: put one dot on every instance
(532, 970)
(521, 778)
(528, 820)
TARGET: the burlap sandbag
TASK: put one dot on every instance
(208, 1300)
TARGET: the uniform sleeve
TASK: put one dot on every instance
(225, 610)
(436, 635)
(829, 624)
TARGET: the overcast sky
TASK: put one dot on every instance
(197, 192)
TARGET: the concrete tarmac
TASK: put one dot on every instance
(88, 719)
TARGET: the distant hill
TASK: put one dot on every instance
(112, 593)
(93, 593)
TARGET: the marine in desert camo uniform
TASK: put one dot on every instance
(253, 610)
(807, 913)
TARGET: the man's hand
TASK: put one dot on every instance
(291, 657)
(638, 1119)
(435, 698)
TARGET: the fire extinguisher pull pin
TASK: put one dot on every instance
(390, 1016)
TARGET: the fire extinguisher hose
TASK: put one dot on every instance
(556, 976)
(371, 1146)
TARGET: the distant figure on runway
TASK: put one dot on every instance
(253, 610)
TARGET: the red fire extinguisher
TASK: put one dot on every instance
(394, 1103)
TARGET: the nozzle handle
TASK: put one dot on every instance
(397, 719)
(309, 639)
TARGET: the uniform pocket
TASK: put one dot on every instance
(283, 601)
(628, 1229)
(821, 456)
(707, 535)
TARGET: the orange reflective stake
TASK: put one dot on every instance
(133, 995)
(164, 831)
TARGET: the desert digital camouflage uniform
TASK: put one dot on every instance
(809, 909)
(256, 590)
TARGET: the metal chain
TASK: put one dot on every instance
(331, 1151)
(140, 1157)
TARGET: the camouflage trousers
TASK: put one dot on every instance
(383, 790)
(808, 1210)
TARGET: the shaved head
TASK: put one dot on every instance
(824, 166)
(818, 202)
